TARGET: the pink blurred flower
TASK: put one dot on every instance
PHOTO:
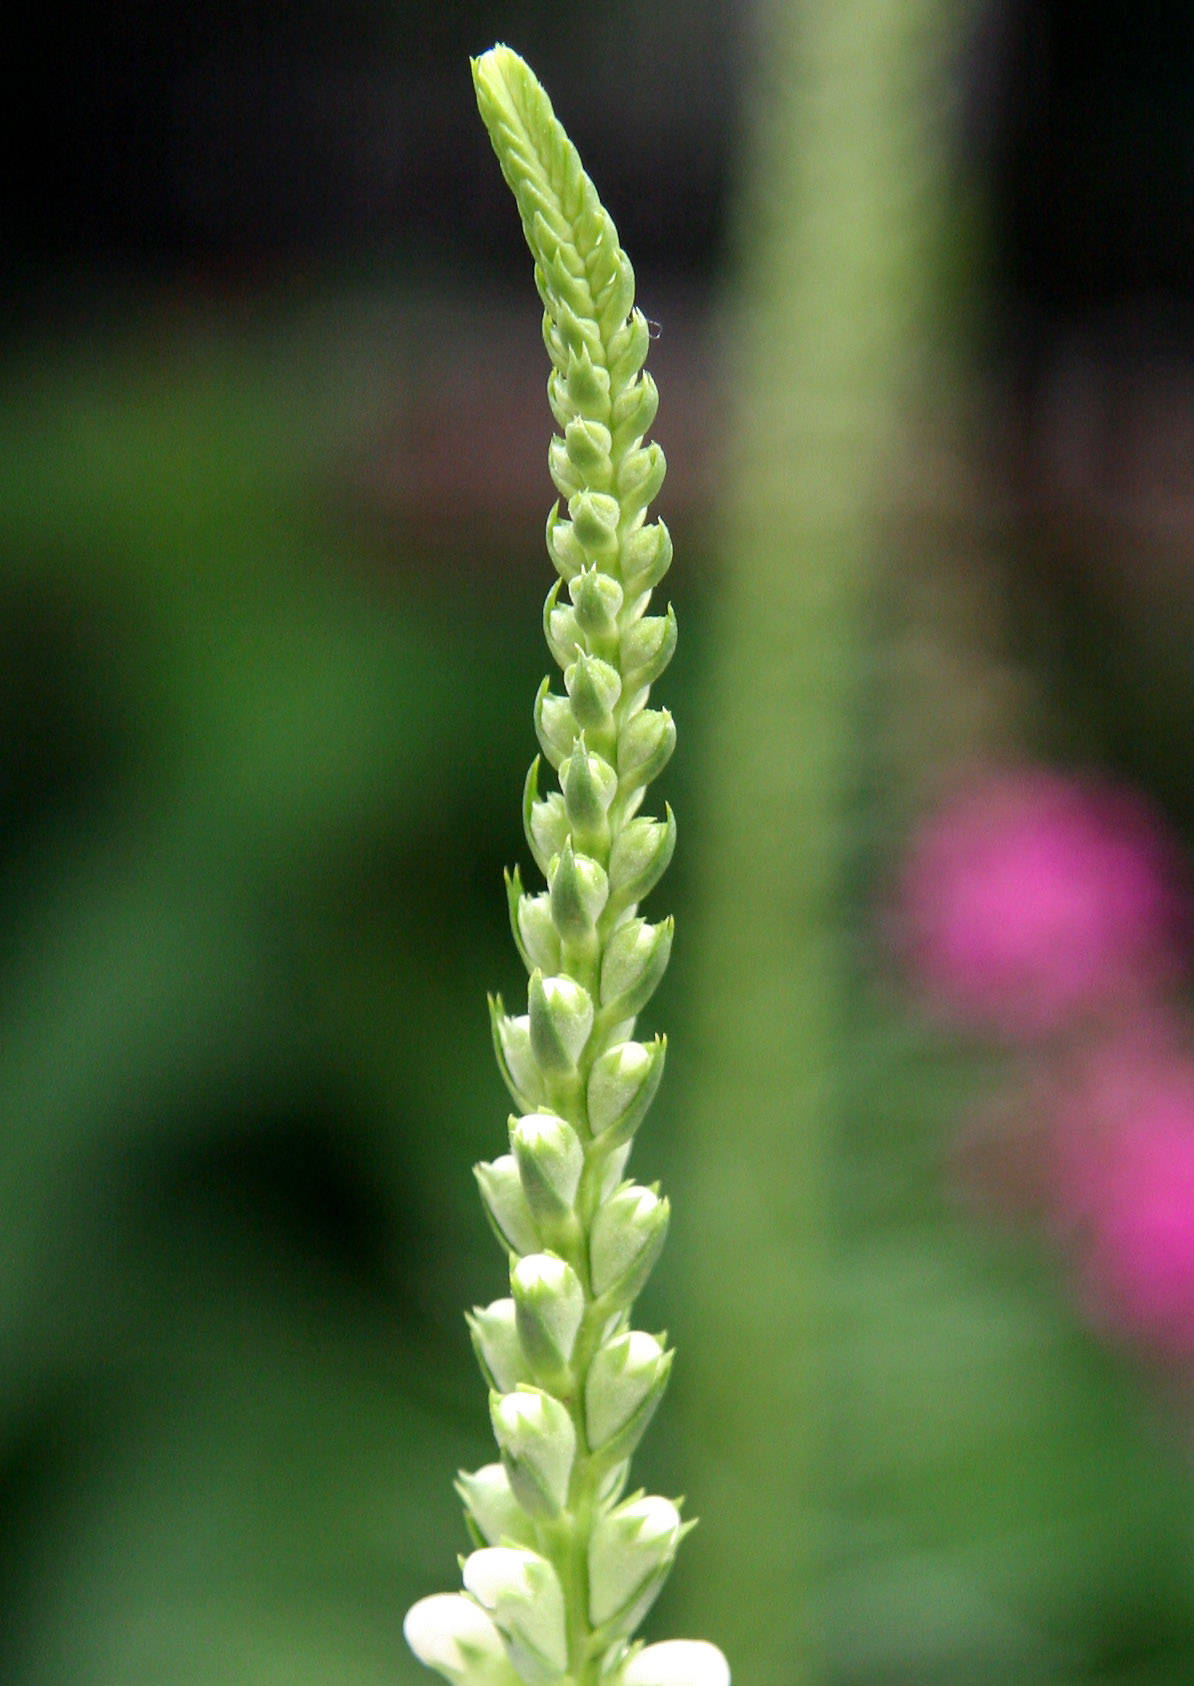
(1124, 1191)
(1033, 900)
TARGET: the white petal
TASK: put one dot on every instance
(438, 1626)
(678, 1662)
(496, 1571)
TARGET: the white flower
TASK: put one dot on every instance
(450, 1633)
(522, 1592)
(678, 1662)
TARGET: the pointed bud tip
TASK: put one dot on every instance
(654, 1517)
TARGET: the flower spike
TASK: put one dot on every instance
(564, 1571)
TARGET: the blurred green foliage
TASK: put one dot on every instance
(251, 896)
(918, 1469)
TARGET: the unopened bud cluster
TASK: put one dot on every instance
(565, 1566)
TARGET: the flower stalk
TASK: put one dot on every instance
(566, 1566)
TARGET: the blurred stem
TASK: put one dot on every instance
(842, 170)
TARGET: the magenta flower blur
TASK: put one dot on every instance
(1032, 900)
(1125, 1192)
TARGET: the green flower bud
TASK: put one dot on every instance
(570, 280)
(535, 936)
(633, 410)
(593, 690)
(556, 725)
(639, 857)
(570, 333)
(560, 627)
(622, 1086)
(565, 475)
(587, 445)
(506, 1204)
(491, 1507)
(645, 745)
(626, 1238)
(515, 1056)
(545, 822)
(625, 1383)
(677, 1662)
(563, 546)
(538, 1445)
(616, 295)
(550, 1161)
(521, 1592)
(635, 959)
(452, 1635)
(647, 648)
(549, 1303)
(588, 387)
(562, 407)
(561, 1018)
(646, 558)
(541, 224)
(590, 785)
(632, 1549)
(598, 601)
(579, 892)
(640, 476)
(594, 517)
(494, 1331)
(628, 347)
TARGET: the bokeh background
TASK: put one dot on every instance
(273, 482)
